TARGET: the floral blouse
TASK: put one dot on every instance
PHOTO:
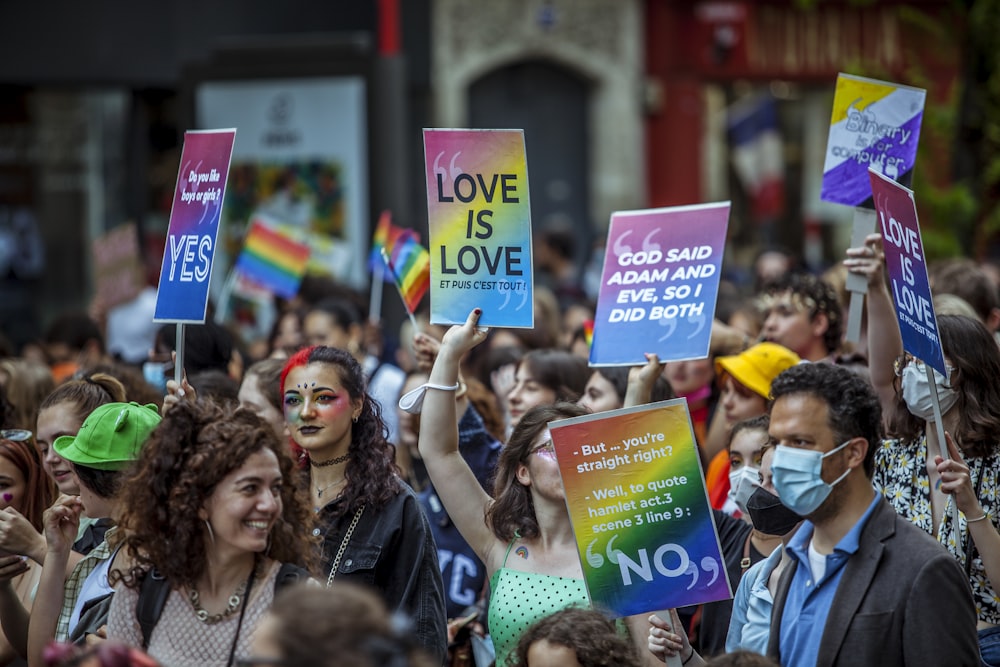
(901, 477)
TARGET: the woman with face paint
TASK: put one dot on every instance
(372, 527)
(910, 470)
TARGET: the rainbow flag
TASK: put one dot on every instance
(379, 240)
(273, 260)
(588, 333)
(410, 266)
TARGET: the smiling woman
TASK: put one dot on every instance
(212, 509)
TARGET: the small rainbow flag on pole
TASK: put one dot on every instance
(410, 265)
(273, 259)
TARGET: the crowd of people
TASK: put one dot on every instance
(345, 494)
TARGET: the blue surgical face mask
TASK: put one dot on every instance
(154, 372)
(798, 477)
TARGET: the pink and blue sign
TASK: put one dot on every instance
(640, 513)
(906, 266)
(192, 235)
(479, 217)
(659, 284)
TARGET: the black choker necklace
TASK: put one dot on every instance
(330, 462)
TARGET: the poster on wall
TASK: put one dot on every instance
(302, 161)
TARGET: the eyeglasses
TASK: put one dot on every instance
(15, 434)
(546, 450)
(905, 359)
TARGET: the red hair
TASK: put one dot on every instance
(39, 489)
(300, 358)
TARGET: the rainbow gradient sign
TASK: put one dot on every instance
(637, 501)
(874, 124)
(480, 226)
(659, 284)
(186, 271)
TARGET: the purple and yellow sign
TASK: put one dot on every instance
(637, 501)
(874, 124)
(906, 265)
(480, 226)
(186, 271)
(659, 284)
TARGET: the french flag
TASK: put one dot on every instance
(757, 155)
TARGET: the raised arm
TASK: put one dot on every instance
(453, 479)
(641, 380)
(61, 522)
(884, 340)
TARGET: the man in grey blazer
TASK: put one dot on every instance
(865, 587)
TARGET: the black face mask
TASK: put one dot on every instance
(769, 516)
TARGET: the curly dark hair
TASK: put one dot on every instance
(970, 348)
(818, 296)
(513, 512)
(758, 423)
(371, 472)
(589, 633)
(853, 409)
(193, 449)
(561, 371)
(345, 624)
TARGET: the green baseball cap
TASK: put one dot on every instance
(111, 437)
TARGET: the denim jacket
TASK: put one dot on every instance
(393, 551)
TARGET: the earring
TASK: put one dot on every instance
(211, 533)
(355, 419)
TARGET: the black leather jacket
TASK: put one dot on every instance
(393, 551)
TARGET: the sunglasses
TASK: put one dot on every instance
(15, 434)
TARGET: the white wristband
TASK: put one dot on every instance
(413, 401)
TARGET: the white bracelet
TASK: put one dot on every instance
(413, 401)
(978, 518)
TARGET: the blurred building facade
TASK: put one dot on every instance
(624, 104)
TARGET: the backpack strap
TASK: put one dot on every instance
(153, 593)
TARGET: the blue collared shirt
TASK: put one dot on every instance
(808, 603)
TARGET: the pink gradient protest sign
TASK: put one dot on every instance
(659, 284)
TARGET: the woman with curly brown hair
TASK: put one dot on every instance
(373, 529)
(211, 508)
(526, 540)
(575, 637)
